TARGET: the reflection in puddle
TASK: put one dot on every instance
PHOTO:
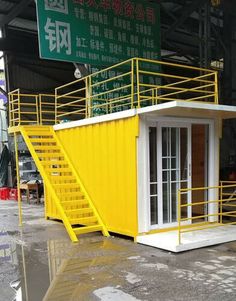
(58, 270)
(16, 286)
(7, 250)
(8, 256)
(76, 272)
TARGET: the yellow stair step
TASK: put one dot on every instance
(50, 170)
(62, 180)
(73, 203)
(47, 147)
(66, 186)
(39, 132)
(70, 194)
(89, 229)
(83, 220)
(40, 136)
(79, 211)
(58, 181)
(50, 155)
(42, 141)
(52, 162)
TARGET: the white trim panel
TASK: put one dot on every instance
(97, 119)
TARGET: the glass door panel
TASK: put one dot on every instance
(175, 170)
(169, 164)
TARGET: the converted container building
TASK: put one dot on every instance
(136, 153)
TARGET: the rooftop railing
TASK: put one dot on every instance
(135, 83)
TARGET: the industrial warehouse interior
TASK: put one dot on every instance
(117, 150)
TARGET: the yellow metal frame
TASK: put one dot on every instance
(225, 199)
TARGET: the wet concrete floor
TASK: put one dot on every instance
(38, 262)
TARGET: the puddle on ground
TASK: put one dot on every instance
(62, 271)
(103, 269)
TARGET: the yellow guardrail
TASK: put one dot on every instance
(134, 83)
(47, 108)
(23, 108)
(30, 109)
(197, 215)
(138, 83)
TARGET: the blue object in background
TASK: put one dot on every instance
(2, 96)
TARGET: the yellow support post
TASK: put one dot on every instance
(156, 96)
(138, 82)
(89, 88)
(216, 89)
(18, 180)
(221, 203)
(37, 109)
(40, 109)
(19, 108)
(55, 106)
(132, 84)
(179, 217)
(153, 96)
(86, 98)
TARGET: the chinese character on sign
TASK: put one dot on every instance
(117, 7)
(129, 9)
(60, 6)
(80, 13)
(91, 3)
(139, 11)
(59, 36)
(151, 18)
(81, 42)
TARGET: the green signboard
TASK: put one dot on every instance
(98, 32)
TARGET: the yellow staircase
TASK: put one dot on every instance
(73, 203)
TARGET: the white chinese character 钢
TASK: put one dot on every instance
(59, 36)
(60, 6)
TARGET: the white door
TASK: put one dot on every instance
(170, 169)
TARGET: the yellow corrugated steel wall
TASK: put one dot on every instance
(105, 156)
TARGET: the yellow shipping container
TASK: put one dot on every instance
(105, 157)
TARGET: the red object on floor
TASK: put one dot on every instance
(13, 194)
(4, 193)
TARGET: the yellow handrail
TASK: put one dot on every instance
(225, 194)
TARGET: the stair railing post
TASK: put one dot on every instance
(18, 179)
(138, 82)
